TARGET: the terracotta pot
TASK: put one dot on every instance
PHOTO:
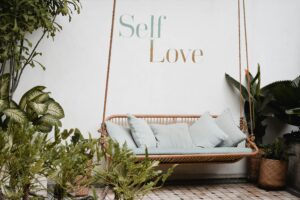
(272, 174)
(253, 166)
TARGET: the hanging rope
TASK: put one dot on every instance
(240, 65)
(248, 71)
(103, 130)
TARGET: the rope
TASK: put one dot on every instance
(240, 59)
(247, 73)
(109, 61)
(103, 131)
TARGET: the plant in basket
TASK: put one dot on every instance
(273, 168)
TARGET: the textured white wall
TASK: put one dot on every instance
(77, 59)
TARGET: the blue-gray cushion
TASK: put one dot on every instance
(205, 132)
(141, 132)
(226, 123)
(193, 150)
(120, 134)
(172, 135)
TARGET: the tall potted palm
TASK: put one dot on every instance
(260, 111)
(286, 107)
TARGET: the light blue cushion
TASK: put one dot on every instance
(226, 123)
(193, 150)
(172, 136)
(141, 132)
(205, 132)
(120, 134)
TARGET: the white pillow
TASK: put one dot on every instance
(205, 132)
(172, 136)
(141, 132)
(226, 123)
(120, 134)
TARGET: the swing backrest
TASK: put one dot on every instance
(156, 119)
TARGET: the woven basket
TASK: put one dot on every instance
(272, 174)
(253, 166)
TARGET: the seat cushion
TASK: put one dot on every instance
(141, 132)
(226, 123)
(205, 132)
(120, 134)
(172, 136)
(193, 150)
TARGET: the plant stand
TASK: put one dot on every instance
(272, 174)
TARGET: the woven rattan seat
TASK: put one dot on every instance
(184, 158)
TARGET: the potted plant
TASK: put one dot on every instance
(286, 106)
(260, 103)
(273, 168)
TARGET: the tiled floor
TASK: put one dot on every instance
(216, 192)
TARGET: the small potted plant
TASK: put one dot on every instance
(274, 165)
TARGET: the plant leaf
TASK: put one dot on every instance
(49, 120)
(31, 94)
(3, 104)
(55, 110)
(236, 84)
(39, 108)
(4, 86)
(16, 115)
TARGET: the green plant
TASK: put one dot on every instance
(71, 163)
(19, 19)
(276, 150)
(286, 100)
(260, 103)
(35, 107)
(127, 177)
(25, 153)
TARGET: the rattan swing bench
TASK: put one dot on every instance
(189, 119)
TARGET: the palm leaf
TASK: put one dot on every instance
(16, 115)
(236, 84)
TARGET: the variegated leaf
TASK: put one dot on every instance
(16, 115)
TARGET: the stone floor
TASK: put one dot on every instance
(214, 192)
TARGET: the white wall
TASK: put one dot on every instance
(77, 59)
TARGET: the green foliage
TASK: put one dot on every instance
(72, 163)
(129, 178)
(260, 105)
(36, 106)
(275, 150)
(19, 19)
(286, 100)
(24, 154)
